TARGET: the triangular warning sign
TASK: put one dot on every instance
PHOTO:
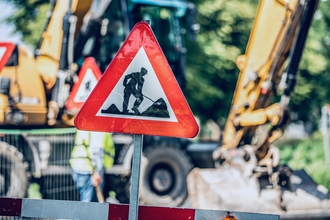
(6, 49)
(88, 77)
(138, 93)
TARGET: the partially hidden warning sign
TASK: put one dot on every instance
(138, 93)
(87, 79)
(6, 50)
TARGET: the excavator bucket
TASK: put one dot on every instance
(227, 188)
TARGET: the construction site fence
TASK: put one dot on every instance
(17, 208)
(49, 176)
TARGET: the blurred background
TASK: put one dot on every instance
(212, 72)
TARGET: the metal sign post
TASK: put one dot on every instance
(136, 164)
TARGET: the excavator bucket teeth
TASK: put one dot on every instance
(225, 188)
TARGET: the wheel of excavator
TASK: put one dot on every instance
(13, 172)
(164, 170)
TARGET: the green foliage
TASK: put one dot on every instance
(29, 19)
(212, 71)
(309, 155)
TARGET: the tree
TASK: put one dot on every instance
(212, 71)
(29, 19)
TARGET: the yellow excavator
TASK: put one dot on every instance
(247, 175)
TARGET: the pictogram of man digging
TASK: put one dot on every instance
(133, 84)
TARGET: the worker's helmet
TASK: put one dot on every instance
(144, 71)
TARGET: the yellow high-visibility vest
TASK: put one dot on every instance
(80, 155)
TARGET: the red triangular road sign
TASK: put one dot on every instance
(87, 79)
(6, 50)
(126, 100)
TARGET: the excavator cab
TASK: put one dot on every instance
(119, 17)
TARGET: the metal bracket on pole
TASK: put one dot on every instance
(136, 164)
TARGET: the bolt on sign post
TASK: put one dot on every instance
(138, 94)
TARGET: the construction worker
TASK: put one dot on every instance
(92, 154)
(133, 84)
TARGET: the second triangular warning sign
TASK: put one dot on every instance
(87, 79)
(138, 93)
(6, 50)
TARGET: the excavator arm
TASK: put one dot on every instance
(273, 54)
(50, 48)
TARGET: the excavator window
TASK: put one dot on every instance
(104, 42)
(166, 26)
(114, 36)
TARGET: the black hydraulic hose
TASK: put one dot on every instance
(92, 27)
(64, 63)
(191, 19)
(125, 12)
(299, 44)
(57, 92)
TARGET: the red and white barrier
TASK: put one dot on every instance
(38, 208)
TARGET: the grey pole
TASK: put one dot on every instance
(135, 181)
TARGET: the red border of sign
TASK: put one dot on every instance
(88, 63)
(10, 48)
(141, 35)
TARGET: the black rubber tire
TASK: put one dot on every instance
(120, 185)
(172, 166)
(13, 172)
